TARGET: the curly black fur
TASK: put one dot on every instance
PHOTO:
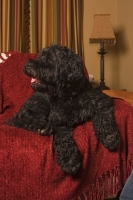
(63, 99)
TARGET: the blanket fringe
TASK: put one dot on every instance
(109, 184)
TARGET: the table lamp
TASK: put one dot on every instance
(102, 32)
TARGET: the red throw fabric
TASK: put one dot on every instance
(28, 169)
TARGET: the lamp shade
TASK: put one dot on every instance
(102, 30)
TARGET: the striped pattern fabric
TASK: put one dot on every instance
(30, 25)
(11, 25)
(26, 29)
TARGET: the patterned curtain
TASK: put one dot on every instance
(11, 25)
(30, 25)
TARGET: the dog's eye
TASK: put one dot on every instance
(50, 61)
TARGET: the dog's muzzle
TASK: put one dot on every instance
(29, 70)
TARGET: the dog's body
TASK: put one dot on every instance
(63, 99)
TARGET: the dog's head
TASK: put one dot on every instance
(57, 71)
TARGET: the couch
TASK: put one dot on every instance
(28, 168)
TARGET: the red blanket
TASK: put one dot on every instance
(28, 169)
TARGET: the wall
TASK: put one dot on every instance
(118, 60)
(92, 58)
(125, 43)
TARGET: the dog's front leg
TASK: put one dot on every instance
(104, 120)
(105, 129)
(104, 124)
(68, 155)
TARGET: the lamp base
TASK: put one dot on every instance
(102, 86)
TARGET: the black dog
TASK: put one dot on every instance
(63, 99)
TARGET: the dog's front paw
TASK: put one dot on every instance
(41, 131)
(46, 131)
(69, 165)
(68, 155)
(111, 141)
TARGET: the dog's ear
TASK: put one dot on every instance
(73, 70)
(72, 78)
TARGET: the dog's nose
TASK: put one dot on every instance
(27, 65)
(27, 68)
